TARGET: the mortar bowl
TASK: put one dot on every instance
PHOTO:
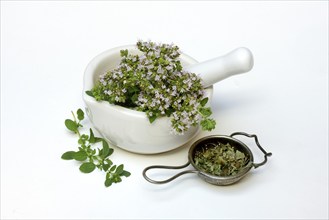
(126, 128)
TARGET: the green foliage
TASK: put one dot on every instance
(81, 114)
(204, 101)
(89, 156)
(71, 125)
(80, 155)
(115, 174)
(205, 112)
(90, 93)
(68, 155)
(152, 118)
(208, 124)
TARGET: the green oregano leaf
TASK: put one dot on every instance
(68, 155)
(106, 149)
(134, 97)
(204, 101)
(152, 118)
(106, 167)
(119, 169)
(108, 161)
(117, 179)
(109, 153)
(80, 114)
(98, 139)
(108, 182)
(205, 112)
(124, 53)
(208, 124)
(87, 167)
(71, 125)
(169, 111)
(91, 136)
(113, 168)
(80, 156)
(125, 173)
(90, 93)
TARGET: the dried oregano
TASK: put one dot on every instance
(220, 159)
(156, 83)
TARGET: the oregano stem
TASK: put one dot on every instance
(75, 120)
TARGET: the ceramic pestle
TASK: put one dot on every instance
(212, 71)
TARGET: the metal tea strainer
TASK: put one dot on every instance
(204, 143)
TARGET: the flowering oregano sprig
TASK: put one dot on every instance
(156, 83)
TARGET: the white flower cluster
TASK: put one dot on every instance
(155, 83)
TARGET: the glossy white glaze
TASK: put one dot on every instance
(214, 70)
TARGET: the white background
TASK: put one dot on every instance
(45, 47)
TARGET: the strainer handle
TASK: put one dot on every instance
(167, 167)
(259, 146)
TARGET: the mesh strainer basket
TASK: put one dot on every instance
(206, 142)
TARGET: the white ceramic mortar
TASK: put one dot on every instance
(130, 129)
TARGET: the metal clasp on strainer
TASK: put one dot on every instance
(214, 179)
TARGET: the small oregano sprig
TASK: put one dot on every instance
(87, 154)
(156, 83)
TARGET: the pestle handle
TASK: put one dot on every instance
(212, 71)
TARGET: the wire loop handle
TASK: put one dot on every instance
(167, 167)
(256, 165)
